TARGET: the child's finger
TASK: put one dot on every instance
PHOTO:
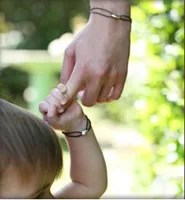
(43, 107)
(62, 88)
(52, 111)
(53, 101)
(45, 119)
(59, 96)
(53, 105)
(60, 110)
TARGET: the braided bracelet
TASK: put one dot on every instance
(80, 133)
(108, 13)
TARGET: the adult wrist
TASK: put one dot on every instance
(116, 6)
(109, 24)
(109, 14)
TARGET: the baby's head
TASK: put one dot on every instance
(30, 154)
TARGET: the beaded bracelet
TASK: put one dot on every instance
(110, 14)
(80, 133)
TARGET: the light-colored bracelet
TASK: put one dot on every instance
(110, 14)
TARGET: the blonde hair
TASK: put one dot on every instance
(27, 143)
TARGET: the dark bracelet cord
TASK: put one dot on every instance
(79, 133)
(110, 14)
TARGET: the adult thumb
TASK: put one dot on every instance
(68, 64)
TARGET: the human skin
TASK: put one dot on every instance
(88, 169)
(97, 59)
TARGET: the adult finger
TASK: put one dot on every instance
(118, 88)
(91, 93)
(68, 64)
(74, 83)
(106, 89)
(53, 104)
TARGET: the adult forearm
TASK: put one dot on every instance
(117, 6)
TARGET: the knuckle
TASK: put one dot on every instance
(98, 70)
(50, 98)
(104, 70)
(101, 73)
(81, 67)
(114, 74)
(54, 91)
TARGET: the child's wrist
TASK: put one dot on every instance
(78, 124)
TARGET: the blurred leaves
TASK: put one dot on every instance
(158, 105)
(41, 21)
(162, 118)
(12, 85)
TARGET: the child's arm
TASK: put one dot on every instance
(88, 169)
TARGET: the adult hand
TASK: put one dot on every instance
(97, 60)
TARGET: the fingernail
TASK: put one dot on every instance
(64, 101)
(61, 110)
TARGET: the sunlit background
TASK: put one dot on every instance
(141, 134)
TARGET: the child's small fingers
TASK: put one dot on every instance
(63, 100)
(50, 120)
(53, 101)
(56, 94)
(43, 107)
(62, 88)
(52, 111)
(45, 119)
(59, 96)
(53, 105)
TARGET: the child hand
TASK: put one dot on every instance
(60, 114)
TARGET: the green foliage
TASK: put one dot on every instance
(12, 85)
(161, 114)
(41, 21)
(161, 120)
(123, 110)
